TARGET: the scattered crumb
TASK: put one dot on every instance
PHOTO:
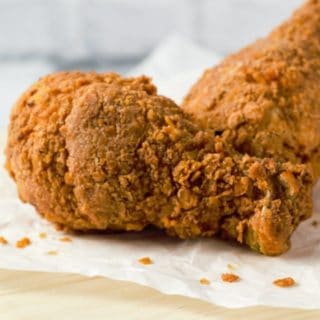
(204, 281)
(145, 261)
(314, 223)
(65, 239)
(22, 243)
(52, 252)
(3, 240)
(284, 282)
(229, 277)
(42, 235)
(230, 266)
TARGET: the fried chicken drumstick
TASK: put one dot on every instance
(100, 152)
(265, 100)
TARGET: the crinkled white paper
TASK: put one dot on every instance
(178, 265)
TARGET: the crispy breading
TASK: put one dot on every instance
(265, 99)
(100, 152)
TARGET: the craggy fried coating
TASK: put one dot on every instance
(265, 99)
(37, 153)
(99, 152)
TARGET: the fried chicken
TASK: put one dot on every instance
(100, 152)
(265, 100)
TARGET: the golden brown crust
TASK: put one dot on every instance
(103, 152)
(36, 148)
(265, 99)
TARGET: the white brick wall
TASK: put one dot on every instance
(122, 29)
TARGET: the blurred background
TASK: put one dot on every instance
(38, 36)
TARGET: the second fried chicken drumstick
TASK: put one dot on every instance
(99, 152)
(265, 99)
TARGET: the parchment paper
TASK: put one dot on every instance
(178, 265)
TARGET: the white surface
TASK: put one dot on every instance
(178, 265)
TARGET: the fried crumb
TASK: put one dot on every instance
(52, 253)
(3, 240)
(65, 239)
(229, 277)
(22, 243)
(284, 282)
(314, 223)
(204, 281)
(42, 235)
(230, 266)
(145, 261)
